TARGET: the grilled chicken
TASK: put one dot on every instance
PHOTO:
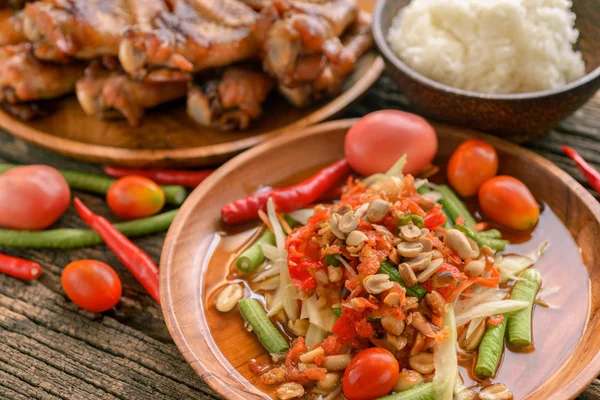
(108, 94)
(196, 35)
(330, 78)
(23, 78)
(85, 29)
(231, 101)
(11, 28)
(300, 38)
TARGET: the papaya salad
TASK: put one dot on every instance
(383, 291)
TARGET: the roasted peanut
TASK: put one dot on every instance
(356, 238)
(383, 230)
(392, 325)
(410, 249)
(377, 210)
(430, 270)
(290, 390)
(229, 297)
(420, 262)
(422, 362)
(443, 279)
(336, 363)
(436, 302)
(397, 342)
(407, 274)
(474, 248)
(335, 220)
(457, 241)
(273, 376)
(394, 256)
(435, 254)
(408, 379)
(419, 322)
(377, 283)
(392, 299)
(426, 243)
(332, 379)
(474, 268)
(410, 232)
(496, 392)
(335, 273)
(349, 222)
(418, 345)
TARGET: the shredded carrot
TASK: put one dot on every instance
(497, 320)
(480, 227)
(460, 288)
(460, 220)
(265, 219)
(492, 281)
(286, 227)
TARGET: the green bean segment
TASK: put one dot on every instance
(454, 206)
(99, 184)
(519, 322)
(77, 238)
(332, 261)
(496, 244)
(490, 350)
(253, 256)
(392, 271)
(421, 392)
(268, 334)
(490, 234)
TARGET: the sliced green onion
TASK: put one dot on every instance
(253, 256)
(490, 350)
(415, 219)
(454, 206)
(421, 392)
(390, 269)
(267, 333)
(331, 260)
(519, 322)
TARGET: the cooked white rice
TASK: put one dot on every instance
(489, 46)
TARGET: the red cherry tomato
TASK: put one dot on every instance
(379, 139)
(92, 285)
(372, 373)
(133, 197)
(509, 202)
(471, 164)
(32, 197)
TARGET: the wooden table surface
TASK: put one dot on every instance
(49, 349)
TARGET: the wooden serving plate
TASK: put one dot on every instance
(167, 137)
(218, 347)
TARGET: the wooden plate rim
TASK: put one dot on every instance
(119, 155)
(569, 391)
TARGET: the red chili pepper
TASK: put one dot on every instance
(591, 174)
(19, 268)
(139, 263)
(288, 198)
(189, 179)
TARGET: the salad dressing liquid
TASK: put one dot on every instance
(565, 279)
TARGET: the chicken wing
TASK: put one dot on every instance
(23, 78)
(86, 29)
(109, 94)
(11, 28)
(196, 35)
(232, 101)
(295, 34)
(328, 81)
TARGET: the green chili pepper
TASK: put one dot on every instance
(415, 219)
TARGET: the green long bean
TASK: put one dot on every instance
(390, 269)
(77, 238)
(490, 350)
(490, 234)
(454, 206)
(421, 392)
(448, 224)
(99, 184)
(496, 244)
(267, 333)
(519, 322)
(253, 256)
